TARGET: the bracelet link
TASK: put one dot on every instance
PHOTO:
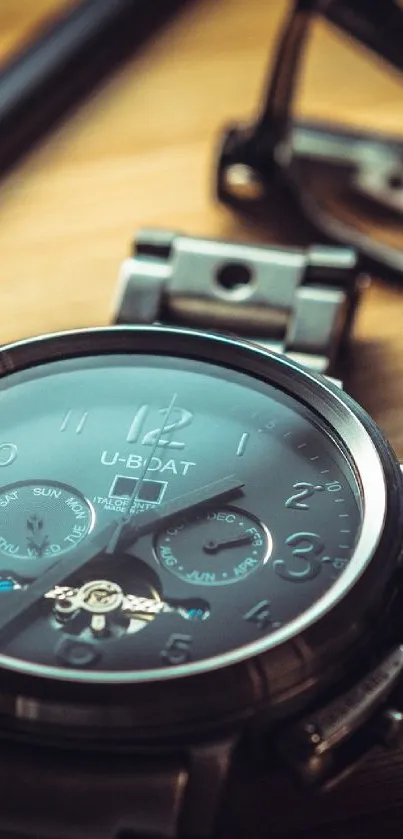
(325, 745)
(295, 301)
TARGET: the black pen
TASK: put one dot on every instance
(67, 59)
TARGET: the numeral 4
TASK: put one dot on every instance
(260, 614)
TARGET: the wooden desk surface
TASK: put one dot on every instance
(140, 153)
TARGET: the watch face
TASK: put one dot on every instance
(163, 514)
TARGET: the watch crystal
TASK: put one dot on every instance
(233, 510)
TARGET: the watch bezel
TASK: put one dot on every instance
(377, 549)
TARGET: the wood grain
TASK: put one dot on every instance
(141, 151)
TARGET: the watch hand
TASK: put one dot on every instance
(34, 524)
(34, 527)
(16, 611)
(12, 618)
(212, 547)
(214, 491)
(105, 542)
(125, 520)
(39, 550)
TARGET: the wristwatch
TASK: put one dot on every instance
(200, 552)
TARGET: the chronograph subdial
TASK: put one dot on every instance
(40, 521)
(214, 546)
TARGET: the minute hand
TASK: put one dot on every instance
(16, 610)
(212, 492)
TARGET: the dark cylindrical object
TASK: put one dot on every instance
(68, 58)
(376, 23)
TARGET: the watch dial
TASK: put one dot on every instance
(231, 511)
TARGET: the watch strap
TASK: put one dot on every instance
(299, 302)
(53, 793)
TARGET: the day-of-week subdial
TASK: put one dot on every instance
(214, 546)
(42, 519)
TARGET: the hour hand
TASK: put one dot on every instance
(213, 547)
(215, 491)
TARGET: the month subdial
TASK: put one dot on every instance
(214, 546)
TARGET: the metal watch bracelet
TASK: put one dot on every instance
(300, 302)
(76, 795)
(297, 302)
(294, 301)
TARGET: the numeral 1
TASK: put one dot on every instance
(242, 444)
(137, 424)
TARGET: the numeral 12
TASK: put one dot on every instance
(149, 438)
